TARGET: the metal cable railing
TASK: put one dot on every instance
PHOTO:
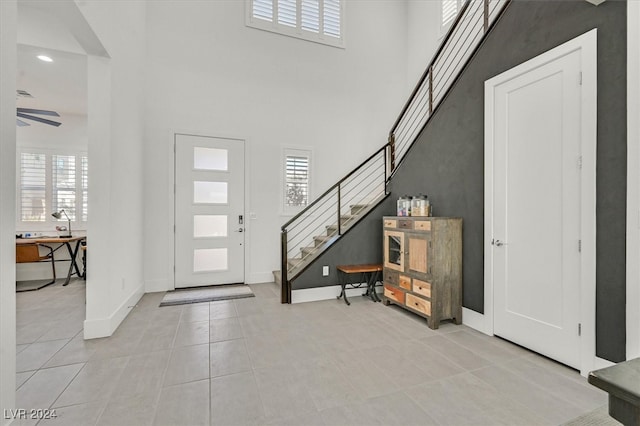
(313, 230)
(473, 22)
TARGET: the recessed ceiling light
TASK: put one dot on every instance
(45, 58)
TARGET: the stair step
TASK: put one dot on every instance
(308, 251)
(277, 277)
(321, 239)
(358, 208)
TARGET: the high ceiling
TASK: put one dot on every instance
(60, 85)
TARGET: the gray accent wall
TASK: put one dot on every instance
(361, 244)
(447, 161)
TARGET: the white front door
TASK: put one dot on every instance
(537, 208)
(209, 211)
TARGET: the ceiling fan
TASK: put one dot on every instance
(26, 113)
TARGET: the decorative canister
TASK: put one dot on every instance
(403, 206)
(419, 206)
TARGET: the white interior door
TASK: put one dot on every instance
(209, 211)
(537, 208)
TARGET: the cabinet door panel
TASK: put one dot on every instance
(418, 254)
(394, 250)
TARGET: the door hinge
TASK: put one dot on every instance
(580, 78)
(579, 246)
(580, 162)
(579, 329)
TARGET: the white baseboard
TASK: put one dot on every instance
(477, 321)
(154, 286)
(259, 277)
(105, 327)
(325, 293)
(599, 363)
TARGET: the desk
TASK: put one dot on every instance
(622, 382)
(369, 273)
(63, 241)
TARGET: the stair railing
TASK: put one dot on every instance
(315, 228)
(322, 222)
(464, 37)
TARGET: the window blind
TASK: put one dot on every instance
(449, 11)
(316, 20)
(63, 170)
(50, 182)
(297, 181)
(84, 172)
(32, 187)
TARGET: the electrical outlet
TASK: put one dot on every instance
(325, 271)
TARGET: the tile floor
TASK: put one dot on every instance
(255, 361)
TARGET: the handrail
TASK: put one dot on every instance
(364, 187)
(333, 187)
(427, 70)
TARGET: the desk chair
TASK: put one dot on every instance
(30, 253)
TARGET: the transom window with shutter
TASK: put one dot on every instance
(297, 174)
(320, 21)
(50, 182)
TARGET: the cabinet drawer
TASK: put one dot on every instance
(422, 225)
(418, 304)
(394, 293)
(423, 288)
(390, 276)
(405, 282)
(390, 223)
(405, 224)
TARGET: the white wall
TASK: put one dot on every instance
(8, 19)
(115, 132)
(633, 183)
(423, 32)
(71, 135)
(207, 73)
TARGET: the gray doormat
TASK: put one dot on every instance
(206, 294)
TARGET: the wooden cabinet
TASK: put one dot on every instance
(423, 266)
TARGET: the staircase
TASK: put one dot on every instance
(323, 222)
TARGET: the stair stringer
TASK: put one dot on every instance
(359, 244)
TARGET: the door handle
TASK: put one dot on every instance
(239, 230)
(498, 243)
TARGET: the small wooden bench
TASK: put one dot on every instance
(369, 273)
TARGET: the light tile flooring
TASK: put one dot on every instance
(255, 361)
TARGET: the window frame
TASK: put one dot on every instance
(286, 152)
(297, 31)
(49, 223)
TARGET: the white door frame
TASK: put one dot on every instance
(588, 127)
(248, 231)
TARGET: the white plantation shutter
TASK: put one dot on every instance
(63, 170)
(287, 13)
(332, 18)
(310, 15)
(50, 182)
(449, 10)
(297, 173)
(33, 182)
(84, 172)
(315, 20)
(262, 9)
